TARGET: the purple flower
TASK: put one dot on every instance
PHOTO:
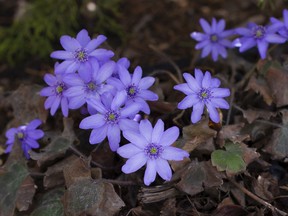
(55, 94)
(257, 35)
(78, 52)
(135, 86)
(203, 91)
(281, 26)
(88, 84)
(213, 40)
(111, 118)
(151, 146)
(27, 135)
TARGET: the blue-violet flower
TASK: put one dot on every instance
(203, 90)
(111, 118)
(135, 86)
(79, 51)
(214, 39)
(151, 146)
(257, 35)
(282, 26)
(27, 135)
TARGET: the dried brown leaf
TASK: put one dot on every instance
(25, 194)
(169, 208)
(251, 115)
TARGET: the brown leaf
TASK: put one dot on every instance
(139, 211)
(251, 115)
(169, 208)
(248, 154)
(229, 210)
(261, 187)
(25, 194)
(259, 85)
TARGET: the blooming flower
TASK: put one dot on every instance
(27, 135)
(135, 86)
(88, 84)
(203, 91)
(257, 35)
(78, 52)
(111, 118)
(55, 94)
(282, 26)
(213, 40)
(151, 146)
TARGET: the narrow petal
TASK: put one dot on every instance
(215, 83)
(98, 135)
(10, 134)
(130, 110)
(60, 54)
(222, 51)
(184, 88)
(188, 101)
(137, 75)
(198, 75)
(128, 150)
(93, 44)
(192, 82)
(206, 50)
(49, 101)
(102, 54)
(32, 143)
(105, 71)
(47, 91)
(73, 80)
(85, 72)
(92, 122)
(243, 31)
(69, 43)
(214, 25)
(150, 172)
(55, 105)
(50, 79)
(83, 37)
(116, 83)
(221, 25)
(119, 100)
(247, 44)
(220, 103)
(144, 107)
(146, 129)
(114, 137)
(172, 153)
(74, 91)
(128, 124)
(220, 92)
(146, 82)
(76, 102)
(213, 113)
(198, 36)
(64, 107)
(206, 82)
(163, 169)
(124, 62)
(135, 138)
(215, 52)
(262, 48)
(197, 112)
(134, 163)
(97, 105)
(35, 134)
(62, 67)
(205, 26)
(34, 124)
(169, 136)
(157, 131)
(124, 76)
(73, 67)
(274, 38)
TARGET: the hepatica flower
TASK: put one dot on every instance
(55, 94)
(88, 84)
(135, 86)
(27, 135)
(201, 91)
(151, 146)
(112, 117)
(257, 35)
(282, 26)
(213, 40)
(78, 52)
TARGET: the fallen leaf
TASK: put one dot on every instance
(25, 194)
(229, 210)
(169, 208)
(92, 198)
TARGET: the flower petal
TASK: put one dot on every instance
(206, 82)
(197, 112)
(213, 113)
(146, 82)
(135, 138)
(198, 75)
(124, 76)
(34, 124)
(169, 136)
(150, 172)
(55, 105)
(31, 142)
(130, 110)
(157, 131)
(114, 136)
(198, 36)
(69, 43)
(83, 37)
(35, 134)
(148, 95)
(50, 79)
(262, 48)
(98, 135)
(105, 71)
(163, 169)
(134, 163)
(192, 82)
(76, 102)
(246, 44)
(10, 134)
(102, 54)
(64, 107)
(63, 55)
(172, 153)
(146, 129)
(220, 103)
(47, 91)
(220, 92)
(184, 88)
(119, 99)
(205, 26)
(137, 75)
(188, 101)
(128, 150)
(128, 124)
(93, 44)
(92, 122)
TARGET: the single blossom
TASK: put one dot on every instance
(54, 94)
(111, 119)
(214, 39)
(27, 135)
(88, 84)
(257, 35)
(78, 52)
(282, 26)
(135, 86)
(201, 91)
(151, 146)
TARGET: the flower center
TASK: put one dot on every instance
(153, 151)
(81, 55)
(259, 32)
(112, 117)
(60, 88)
(91, 86)
(204, 94)
(132, 91)
(214, 38)
(20, 135)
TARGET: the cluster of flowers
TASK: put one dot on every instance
(87, 77)
(214, 39)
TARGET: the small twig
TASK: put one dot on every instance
(258, 199)
(77, 152)
(163, 55)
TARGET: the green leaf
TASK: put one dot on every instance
(10, 182)
(50, 204)
(230, 160)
